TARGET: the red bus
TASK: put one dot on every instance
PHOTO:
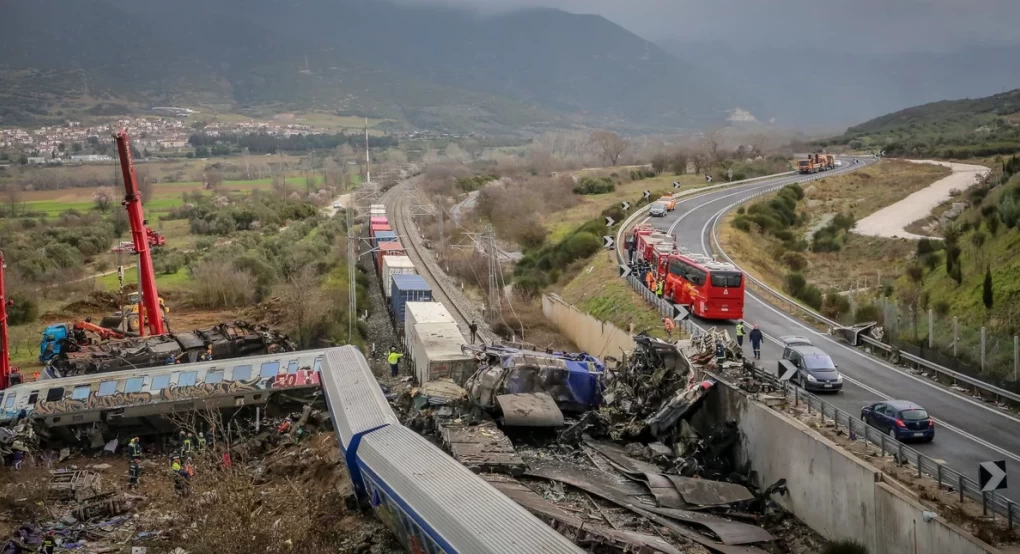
(709, 289)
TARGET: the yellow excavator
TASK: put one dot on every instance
(130, 311)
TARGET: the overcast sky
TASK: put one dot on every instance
(877, 25)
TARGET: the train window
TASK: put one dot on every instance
(10, 401)
(134, 384)
(241, 373)
(292, 367)
(159, 382)
(269, 369)
(214, 377)
(55, 394)
(32, 398)
(187, 379)
(81, 392)
(106, 388)
(318, 364)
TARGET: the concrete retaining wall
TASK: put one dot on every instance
(589, 334)
(832, 491)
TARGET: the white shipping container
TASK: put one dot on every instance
(395, 265)
(422, 312)
(437, 354)
(377, 209)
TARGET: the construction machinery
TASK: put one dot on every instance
(128, 318)
(816, 162)
(62, 338)
(5, 350)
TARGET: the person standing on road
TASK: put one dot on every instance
(658, 288)
(474, 331)
(740, 334)
(394, 359)
(756, 342)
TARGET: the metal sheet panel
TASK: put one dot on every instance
(530, 410)
(468, 513)
(352, 394)
(702, 492)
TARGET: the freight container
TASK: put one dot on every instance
(378, 219)
(407, 288)
(386, 250)
(383, 236)
(377, 209)
(437, 354)
(394, 264)
(376, 227)
(422, 312)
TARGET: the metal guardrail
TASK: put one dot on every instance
(947, 477)
(979, 386)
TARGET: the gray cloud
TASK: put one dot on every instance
(852, 25)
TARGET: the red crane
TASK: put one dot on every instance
(147, 275)
(5, 352)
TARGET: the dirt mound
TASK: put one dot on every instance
(96, 304)
(271, 311)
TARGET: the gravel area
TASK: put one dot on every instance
(891, 221)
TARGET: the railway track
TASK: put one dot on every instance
(397, 204)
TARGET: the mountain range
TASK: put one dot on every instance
(417, 66)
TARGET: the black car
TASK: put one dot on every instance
(812, 368)
(901, 419)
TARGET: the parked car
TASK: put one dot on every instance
(814, 369)
(336, 206)
(669, 201)
(657, 209)
(901, 419)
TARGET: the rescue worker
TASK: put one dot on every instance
(201, 441)
(668, 325)
(134, 449)
(394, 359)
(180, 476)
(756, 337)
(188, 446)
(207, 355)
(740, 334)
(170, 360)
(18, 455)
(629, 245)
(49, 543)
(659, 287)
(134, 472)
(649, 280)
(720, 353)
(474, 331)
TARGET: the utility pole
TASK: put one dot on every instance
(442, 236)
(494, 293)
(5, 350)
(352, 274)
(368, 159)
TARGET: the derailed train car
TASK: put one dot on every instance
(431, 502)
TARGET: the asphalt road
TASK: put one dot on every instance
(967, 432)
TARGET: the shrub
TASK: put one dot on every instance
(826, 244)
(844, 221)
(741, 223)
(794, 261)
(941, 308)
(931, 260)
(741, 210)
(24, 309)
(218, 284)
(925, 246)
(794, 284)
(594, 185)
(835, 305)
(868, 312)
(812, 296)
(784, 235)
(527, 287)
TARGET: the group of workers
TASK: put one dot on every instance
(755, 336)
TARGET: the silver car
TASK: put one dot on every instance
(657, 209)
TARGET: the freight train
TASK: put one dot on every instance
(430, 335)
(430, 501)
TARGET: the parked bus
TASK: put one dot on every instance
(709, 289)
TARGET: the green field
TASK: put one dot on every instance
(163, 282)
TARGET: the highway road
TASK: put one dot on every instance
(968, 431)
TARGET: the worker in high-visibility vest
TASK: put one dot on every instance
(659, 287)
(740, 333)
(393, 358)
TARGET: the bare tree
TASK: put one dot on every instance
(213, 180)
(343, 154)
(310, 183)
(759, 142)
(12, 197)
(610, 145)
(659, 162)
(280, 185)
(103, 198)
(456, 153)
(307, 307)
(679, 161)
(699, 159)
(713, 144)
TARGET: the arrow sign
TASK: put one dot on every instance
(788, 372)
(992, 475)
(681, 313)
(609, 241)
(708, 178)
(626, 205)
(648, 194)
(676, 184)
(624, 271)
(610, 221)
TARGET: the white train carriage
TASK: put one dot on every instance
(122, 395)
(431, 502)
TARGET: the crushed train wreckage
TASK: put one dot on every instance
(227, 340)
(662, 484)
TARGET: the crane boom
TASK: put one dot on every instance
(5, 356)
(147, 276)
